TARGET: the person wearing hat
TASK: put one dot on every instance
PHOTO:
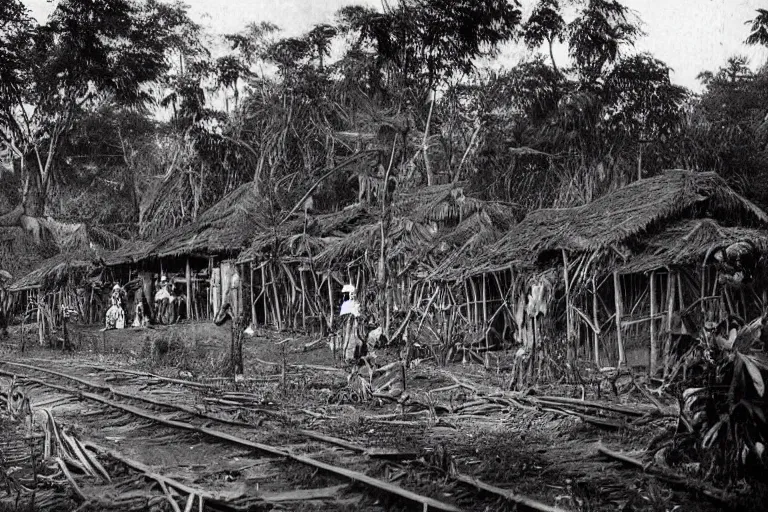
(163, 300)
(352, 344)
(115, 318)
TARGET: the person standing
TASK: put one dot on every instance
(115, 314)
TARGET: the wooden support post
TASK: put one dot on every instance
(569, 334)
(252, 296)
(485, 318)
(276, 307)
(466, 295)
(703, 292)
(188, 276)
(671, 279)
(619, 313)
(596, 322)
(330, 302)
(264, 291)
(654, 342)
(90, 307)
(303, 301)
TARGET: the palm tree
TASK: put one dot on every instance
(759, 31)
(545, 25)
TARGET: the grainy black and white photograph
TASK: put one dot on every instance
(383, 255)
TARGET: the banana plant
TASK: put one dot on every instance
(728, 414)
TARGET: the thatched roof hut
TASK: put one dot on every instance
(620, 219)
(57, 270)
(428, 225)
(132, 251)
(690, 241)
(302, 237)
(226, 227)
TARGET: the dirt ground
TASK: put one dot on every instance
(546, 456)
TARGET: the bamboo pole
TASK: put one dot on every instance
(670, 311)
(466, 294)
(330, 302)
(276, 306)
(595, 321)
(485, 318)
(654, 342)
(619, 313)
(265, 292)
(253, 295)
(475, 312)
(568, 312)
(188, 276)
(303, 301)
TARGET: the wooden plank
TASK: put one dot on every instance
(596, 322)
(569, 334)
(149, 473)
(324, 493)
(252, 296)
(522, 502)
(654, 341)
(188, 277)
(619, 313)
(671, 281)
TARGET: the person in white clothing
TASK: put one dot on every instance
(352, 344)
(115, 318)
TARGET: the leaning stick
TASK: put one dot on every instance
(521, 502)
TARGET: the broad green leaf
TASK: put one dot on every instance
(711, 435)
(754, 372)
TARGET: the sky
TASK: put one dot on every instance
(689, 35)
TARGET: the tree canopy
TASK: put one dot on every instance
(134, 94)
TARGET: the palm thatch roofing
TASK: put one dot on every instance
(56, 270)
(428, 225)
(689, 241)
(131, 251)
(643, 207)
(305, 236)
(226, 227)
(19, 252)
(39, 257)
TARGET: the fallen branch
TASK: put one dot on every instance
(152, 475)
(521, 502)
(714, 494)
(302, 366)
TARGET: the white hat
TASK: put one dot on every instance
(116, 287)
(163, 278)
(348, 288)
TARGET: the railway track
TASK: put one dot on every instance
(200, 454)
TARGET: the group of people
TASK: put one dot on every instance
(167, 306)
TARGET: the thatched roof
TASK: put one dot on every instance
(56, 270)
(690, 241)
(638, 209)
(292, 240)
(33, 259)
(19, 253)
(226, 227)
(428, 224)
(130, 252)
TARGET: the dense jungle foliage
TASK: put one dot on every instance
(125, 113)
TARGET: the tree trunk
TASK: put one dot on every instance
(552, 57)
